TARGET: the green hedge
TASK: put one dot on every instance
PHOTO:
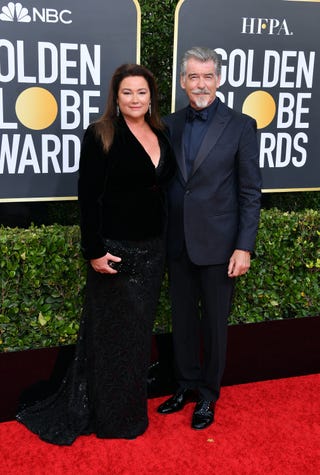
(42, 281)
(43, 277)
(283, 281)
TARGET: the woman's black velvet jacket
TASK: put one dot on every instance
(121, 193)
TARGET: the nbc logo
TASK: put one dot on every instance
(16, 12)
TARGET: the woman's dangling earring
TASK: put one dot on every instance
(118, 110)
(149, 108)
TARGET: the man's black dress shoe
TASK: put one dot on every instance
(177, 401)
(203, 414)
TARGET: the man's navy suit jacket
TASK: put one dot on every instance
(216, 210)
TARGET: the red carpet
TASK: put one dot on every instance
(270, 427)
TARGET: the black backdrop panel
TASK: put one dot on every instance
(56, 60)
(270, 52)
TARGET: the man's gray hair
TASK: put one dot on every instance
(201, 54)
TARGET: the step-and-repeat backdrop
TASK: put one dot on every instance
(270, 53)
(56, 60)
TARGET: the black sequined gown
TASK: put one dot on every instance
(105, 389)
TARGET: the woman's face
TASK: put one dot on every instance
(134, 97)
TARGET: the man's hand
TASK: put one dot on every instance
(239, 263)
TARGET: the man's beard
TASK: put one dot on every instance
(201, 101)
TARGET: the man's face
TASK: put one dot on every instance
(200, 83)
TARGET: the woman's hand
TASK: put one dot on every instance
(102, 264)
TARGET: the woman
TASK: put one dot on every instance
(125, 165)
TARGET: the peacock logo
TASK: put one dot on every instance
(15, 12)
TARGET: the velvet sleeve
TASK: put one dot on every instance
(169, 169)
(92, 177)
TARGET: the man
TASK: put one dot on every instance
(214, 207)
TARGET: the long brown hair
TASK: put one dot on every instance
(105, 124)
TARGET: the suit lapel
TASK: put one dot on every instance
(219, 122)
(177, 133)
